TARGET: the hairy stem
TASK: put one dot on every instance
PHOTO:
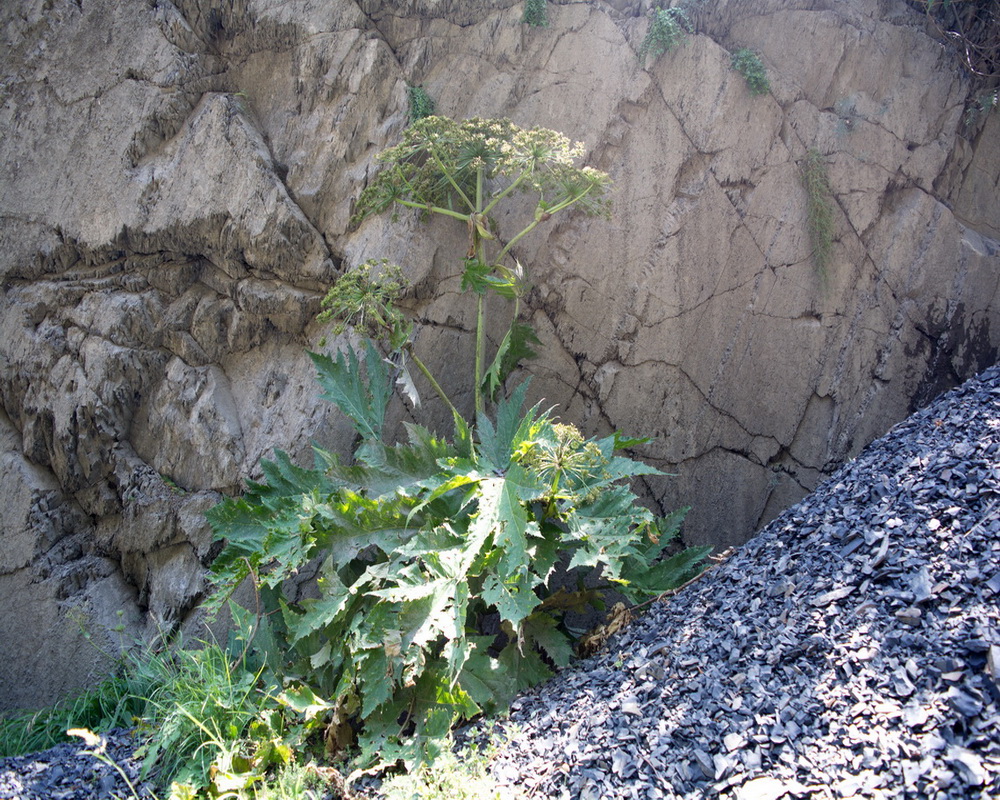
(452, 181)
(480, 312)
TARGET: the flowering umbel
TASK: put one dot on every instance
(464, 169)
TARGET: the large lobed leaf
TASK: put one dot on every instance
(362, 395)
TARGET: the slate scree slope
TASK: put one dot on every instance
(851, 649)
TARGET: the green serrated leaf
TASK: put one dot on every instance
(376, 679)
(524, 666)
(664, 575)
(404, 380)
(319, 613)
(322, 657)
(661, 532)
(513, 597)
(516, 346)
(463, 441)
(363, 398)
(605, 530)
(541, 630)
(285, 478)
(546, 551)
(484, 678)
(475, 275)
(303, 700)
(503, 516)
(497, 444)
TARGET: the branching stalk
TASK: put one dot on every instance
(534, 224)
(512, 242)
(430, 378)
(451, 179)
(435, 209)
(507, 191)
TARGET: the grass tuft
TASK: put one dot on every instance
(114, 703)
(819, 213)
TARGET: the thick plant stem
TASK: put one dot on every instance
(480, 248)
(480, 353)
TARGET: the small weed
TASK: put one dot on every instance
(668, 28)
(819, 214)
(451, 777)
(421, 104)
(981, 106)
(172, 485)
(748, 64)
(847, 115)
(536, 13)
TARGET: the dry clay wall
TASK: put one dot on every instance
(176, 183)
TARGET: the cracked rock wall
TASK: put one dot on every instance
(176, 184)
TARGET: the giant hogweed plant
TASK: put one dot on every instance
(435, 557)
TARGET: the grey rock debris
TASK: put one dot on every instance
(848, 650)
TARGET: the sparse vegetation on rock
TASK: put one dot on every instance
(536, 13)
(668, 28)
(819, 208)
(748, 64)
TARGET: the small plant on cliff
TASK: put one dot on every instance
(668, 28)
(536, 13)
(980, 107)
(421, 104)
(435, 557)
(748, 64)
(819, 207)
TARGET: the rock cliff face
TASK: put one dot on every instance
(177, 181)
